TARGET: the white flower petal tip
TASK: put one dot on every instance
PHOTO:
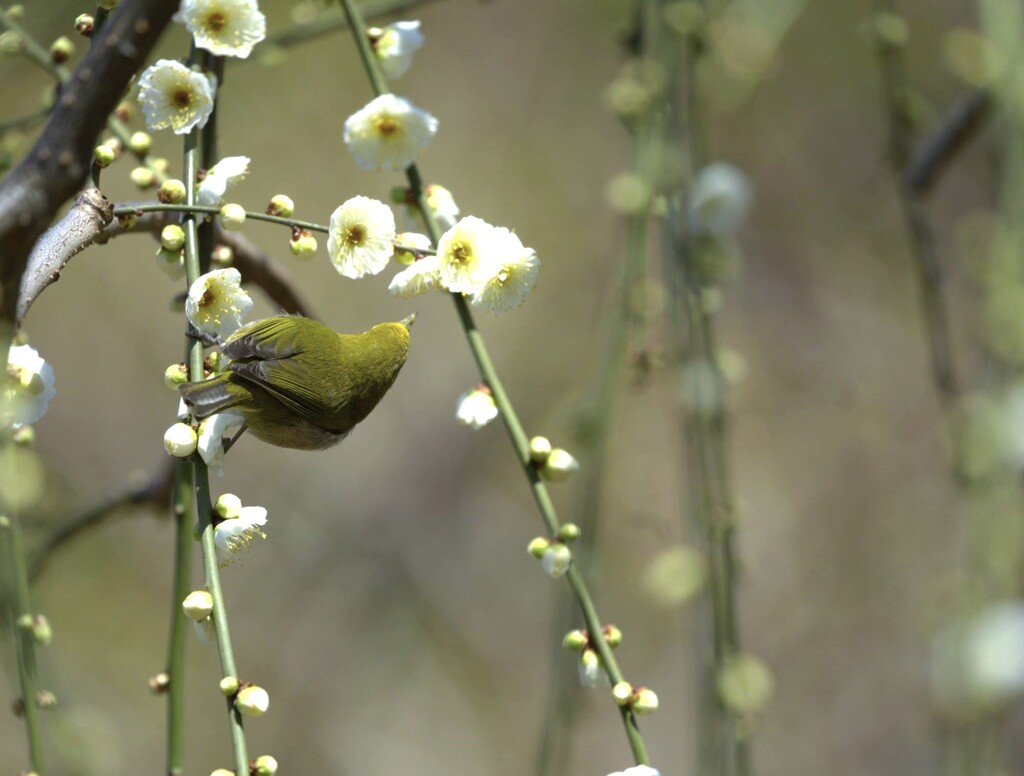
(719, 200)
(216, 302)
(418, 278)
(637, 770)
(394, 46)
(361, 240)
(211, 438)
(234, 536)
(219, 178)
(225, 28)
(476, 408)
(26, 393)
(174, 97)
(507, 288)
(388, 133)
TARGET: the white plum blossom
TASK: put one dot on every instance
(720, 199)
(27, 389)
(361, 240)
(174, 97)
(394, 46)
(388, 132)
(211, 438)
(216, 302)
(515, 277)
(637, 770)
(418, 278)
(469, 255)
(225, 28)
(235, 535)
(476, 408)
(219, 178)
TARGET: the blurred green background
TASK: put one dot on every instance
(393, 614)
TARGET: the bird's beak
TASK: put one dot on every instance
(407, 322)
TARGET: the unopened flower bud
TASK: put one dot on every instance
(228, 506)
(589, 668)
(143, 177)
(24, 436)
(612, 636)
(408, 246)
(161, 164)
(222, 772)
(281, 205)
(140, 143)
(252, 701)
(745, 684)
(160, 682)
(103, 156)
(46, 699)
(127, 221)
(180, 440)
(62, 49)
(569, 533)
(11, 43)
(229, 686)
(175, 375)
(559, 466)
(540, 449)
(265, 765)
(171, 192)
(172, 237)
(124, 112)
(16, 12)
(644, 701)
(576, 640)
(198, 605)
(622, 693)
(537, 547)
(171, 263)
(42, 631)
(303, 244)
(114, 144)
(222, 255)
(556, 559)
(232, 216)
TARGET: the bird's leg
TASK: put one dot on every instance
(231, 442)
(209, 340)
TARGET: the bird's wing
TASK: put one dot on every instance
(263, 353)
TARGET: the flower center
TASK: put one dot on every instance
(462, 253)
(385, 125)
(181, 97)
(354, 235)
(216, 21)
(208, 299)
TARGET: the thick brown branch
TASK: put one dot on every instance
(57, 165)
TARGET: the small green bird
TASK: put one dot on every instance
(300, 385)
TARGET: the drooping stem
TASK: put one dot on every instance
(519, 438)
(204, 505)
(182, 509)
(24, 641)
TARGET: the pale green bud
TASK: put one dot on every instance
(408, 247)
(569, 533)
(265, 765)
(127, 221)
(222, 772)
(160, 682)
(161, 163)
(232, 216)
(140, 143)
(303, 244)
(229, 686)
(891, 29)
(42, 631)
(228, 506)
(559, 466)
(222, 255)
(644, 701)
(114, 144)
(62, 49)
(537, 547)
(171, 263)
(84, 24)
(612, 636)
(175, 375)
(172, 237)
(576, 640)
(198, 605)
(589, 668)
(281, 205)
(540, 449)
(45, 699)
(180, 440)
(745, 684)
(16, 12)
(622, 693)
(143, 177)
(24, 436)
(252, 701)
(10, 43)
(171, 192)
(103, 156)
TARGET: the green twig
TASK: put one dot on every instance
(182, 509)
(255, 215)
(518, 436)
(25, 642)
